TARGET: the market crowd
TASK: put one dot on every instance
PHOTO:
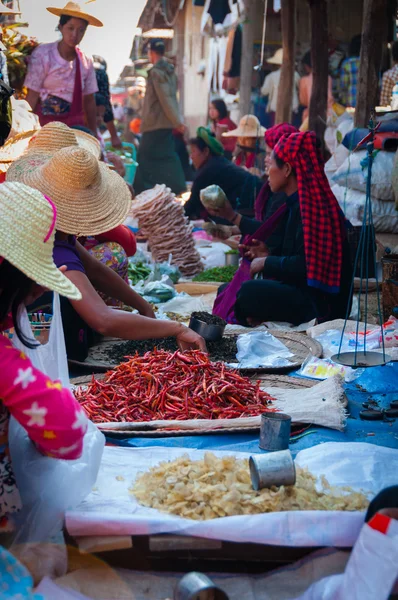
(63, 203)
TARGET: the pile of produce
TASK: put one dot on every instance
(221, 487)
(165, 386)
(222, 274)
(138, 272)
(162, 220)
(18, 48)
(224, 350)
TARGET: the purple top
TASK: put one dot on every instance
(65, 253)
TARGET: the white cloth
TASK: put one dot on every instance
(270, 89)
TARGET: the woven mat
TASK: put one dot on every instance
(299, 344)
(310, 402)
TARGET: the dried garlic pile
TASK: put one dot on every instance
(220, 487)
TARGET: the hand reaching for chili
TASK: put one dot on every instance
(188, 339)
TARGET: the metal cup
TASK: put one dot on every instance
(196, 586)
(275, 431)
(232, 260)
(273, 469)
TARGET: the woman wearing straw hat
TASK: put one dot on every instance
(92, 199)
(49, 413)
(249, 136)
(61, 80)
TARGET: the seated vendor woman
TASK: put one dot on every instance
(49, 414)
(92, 199)
(267, 202)
(308, 274)
(240, 186)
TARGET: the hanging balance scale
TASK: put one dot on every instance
(365, 260)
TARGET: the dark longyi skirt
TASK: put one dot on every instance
(158, 162)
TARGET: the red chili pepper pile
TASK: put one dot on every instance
(165, 386)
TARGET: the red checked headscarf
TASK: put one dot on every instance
(320, 212)
(272, 137)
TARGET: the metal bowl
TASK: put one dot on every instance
(210, 333)
(195, 586)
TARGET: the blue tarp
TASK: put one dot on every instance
(377, 383)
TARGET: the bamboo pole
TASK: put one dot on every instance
(320, 67)
(374, 31)
(285, 91)
(246, 65)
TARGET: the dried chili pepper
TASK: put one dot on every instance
(172, 386)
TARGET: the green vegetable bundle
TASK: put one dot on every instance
(138, 272)
(219, 274)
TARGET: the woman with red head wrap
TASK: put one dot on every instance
(266, 202)
(308, 276)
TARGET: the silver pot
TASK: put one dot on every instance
(232, 260)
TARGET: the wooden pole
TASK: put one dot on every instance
(285, 91)
(374, 30)
(320, 67)
(246, 65)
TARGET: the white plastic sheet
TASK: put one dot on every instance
(111, 509)
(261, 349)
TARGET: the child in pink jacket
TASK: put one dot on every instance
(49, 413)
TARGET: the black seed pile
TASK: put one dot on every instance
(223, 350)
(209, 319)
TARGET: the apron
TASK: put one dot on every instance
(75, 116)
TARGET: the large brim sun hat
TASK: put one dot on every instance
(52, 137)
(27, 230)
(73, 9)
(56, 135)
(277, 58)
(249, 126)
(14, 148)
(90, 198)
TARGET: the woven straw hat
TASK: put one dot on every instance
(249, 126)
(277, 58)
(52, 137)
(90, 198)
(73, 9)
(27, 229)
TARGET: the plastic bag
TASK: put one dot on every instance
(49, 487)
(213, 197)
(261, 349)
(49, 358)
(322, 368)
(370, 573)
(353, 174)
(172, 271)
(184, 305)
(159, 291)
